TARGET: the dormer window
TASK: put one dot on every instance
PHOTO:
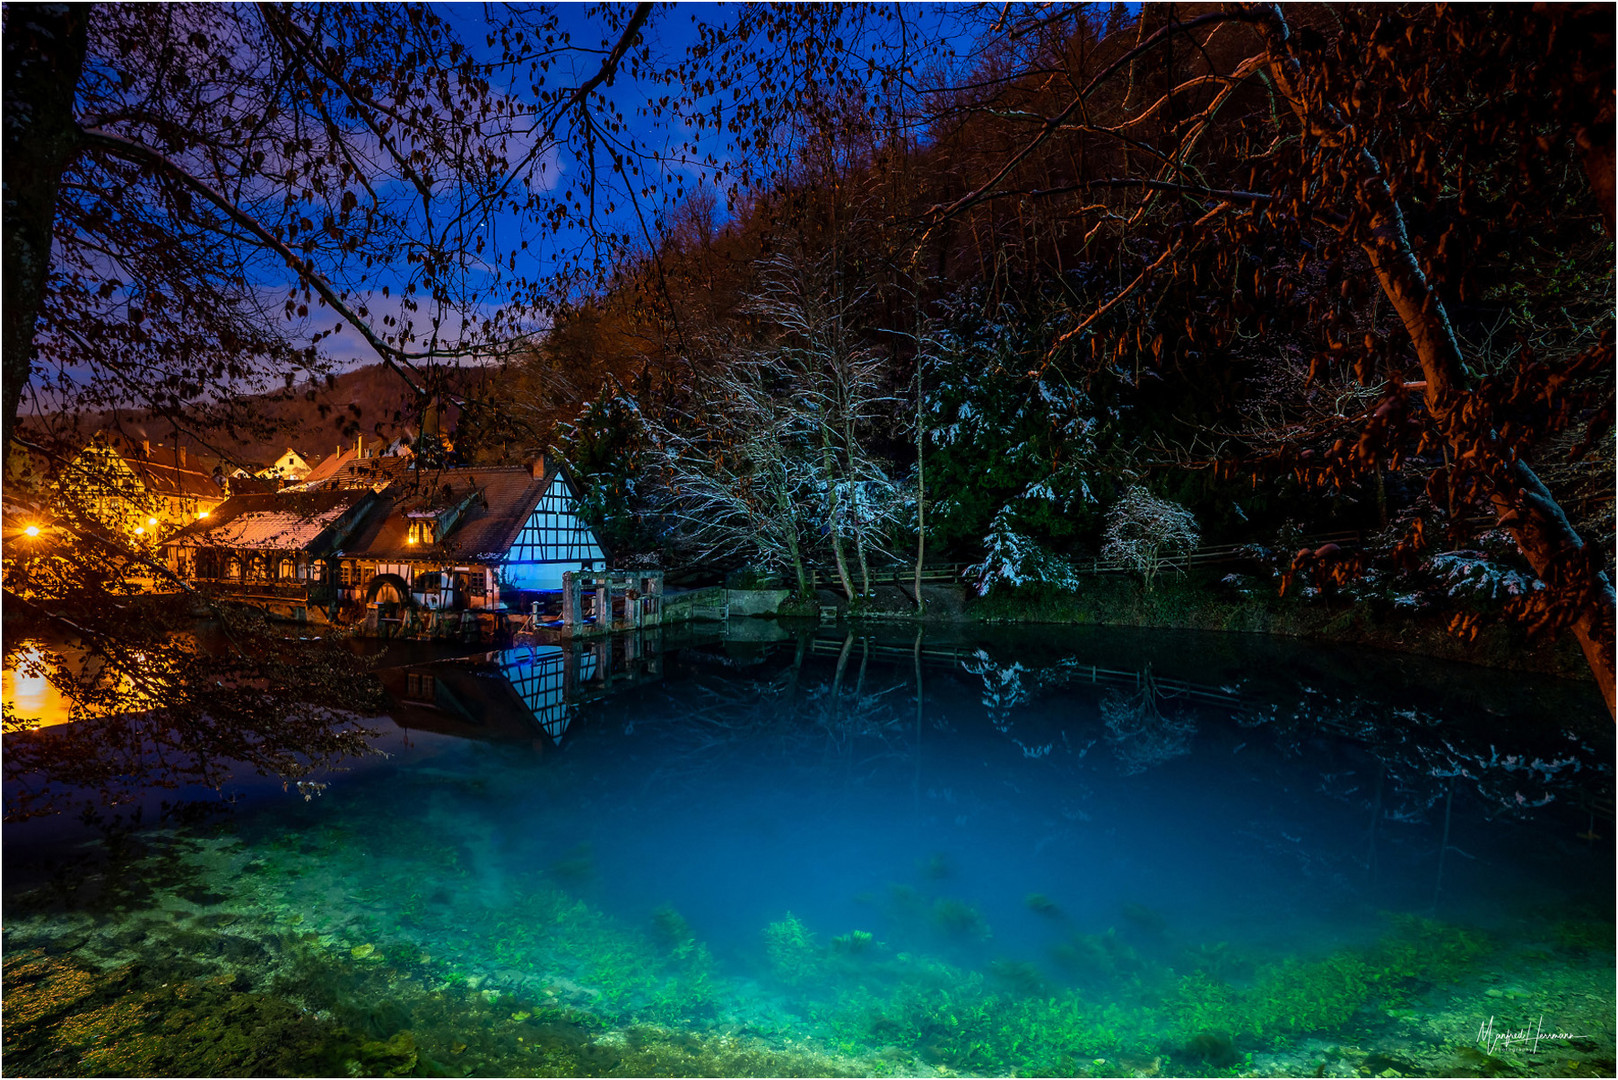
(421, 532)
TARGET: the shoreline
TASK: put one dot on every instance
(1186, 603)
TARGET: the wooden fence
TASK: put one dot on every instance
(955, 573)
(953, 657)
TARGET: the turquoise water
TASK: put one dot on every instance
(1037, 852)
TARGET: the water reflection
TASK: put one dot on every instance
(519, 694)
(30, 698)
(1057, 853)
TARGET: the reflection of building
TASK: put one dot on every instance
(518, 695)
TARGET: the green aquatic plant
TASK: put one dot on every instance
(1021, 977)
(1144, 919)
(1213, 1049)
(1303, 996)
(958, 919)
(1215, 959)
(1083, 957)
(854, 942)
(791, 949)
(1040, 904)
(674, 932)
(65, 1018)
(1306, 996)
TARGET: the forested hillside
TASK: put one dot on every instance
(834, 293)
(1334, 270)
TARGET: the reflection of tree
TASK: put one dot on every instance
(1423, 754)
(795, 711)
(1141, 734)
(1003, 686)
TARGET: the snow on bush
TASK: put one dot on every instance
(1012, 558)
(1143, 531)
(1472, 573)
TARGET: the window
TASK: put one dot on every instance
(288, 571)
(475, 583)
(419, 687)
(345, 574)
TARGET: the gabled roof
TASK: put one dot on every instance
(348, 471)
(327, 468)
(301, 521)
(162, 479)
(484, 531)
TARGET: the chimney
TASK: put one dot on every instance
(538, 468)
(181, 451)
(359, 447)
(146, 448)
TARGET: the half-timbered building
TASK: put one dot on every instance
(469, 539)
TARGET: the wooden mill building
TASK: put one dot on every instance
(468, 539)
(377, 533)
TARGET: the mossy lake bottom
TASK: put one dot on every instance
(978, 852)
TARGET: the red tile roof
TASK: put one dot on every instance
(485, 530)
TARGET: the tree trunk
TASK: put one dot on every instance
(921, 484)
(1521, 502)
(45, 46)
(841, 559)
(791, 534)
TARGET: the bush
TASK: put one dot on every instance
(1144, 531)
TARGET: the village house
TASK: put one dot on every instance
(290, 468)
(358, 466)
(376, 537)
(276, 549)
(467, 539)
(138, 488)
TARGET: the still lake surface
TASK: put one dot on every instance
(984, 851)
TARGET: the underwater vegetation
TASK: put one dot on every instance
(1299, 996)
(855, 942)
(544, 984)
(958, 919)
(1144, 919)
(576, 867)
(1096, 957)
(791, 949)
(1019, 976)
(1040, 904)
(1213, 1049)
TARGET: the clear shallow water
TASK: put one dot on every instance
(1104, 852)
